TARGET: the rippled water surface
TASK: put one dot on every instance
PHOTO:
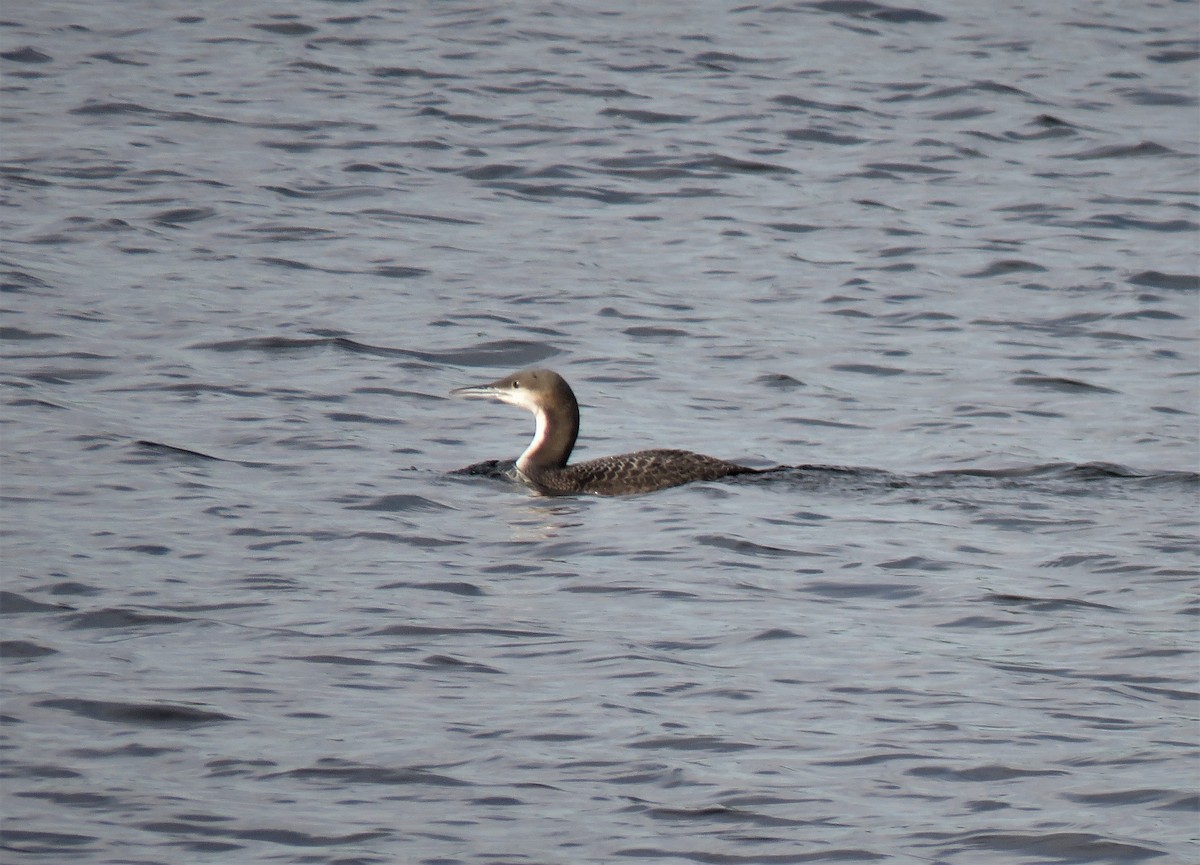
(940, 261)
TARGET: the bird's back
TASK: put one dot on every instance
(640, 472)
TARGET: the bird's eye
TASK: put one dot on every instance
(516, 384)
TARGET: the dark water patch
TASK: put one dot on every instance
(792, 227)
(28, 54)
(720, 815)
(749, 548)
(723, 57)
(403, 216)
(132, 109)
(412, 72)
(1122, 222)
(501, 353)
(24, 649)
(1124, 797)
(728, 165)
(41, 770)
(16, 177)
(449, 662)
(231, 767)
(1071, 560)
(1153, 314)
(824, 136)
(339, 772)
(800, 102)
(610, 589)
(293, 264)
(888, 591)
(704, 855)
(1167, 281)
(1059, 847)
(976, 411)
(1174, 56)
(432, 631)
(45, 843)
(1163, 98)
(194, 456)
(896, 251)
(883, 169)
(868, 369)
(469, 590)
(67, 376)
(1046, 605)
(159, 715)
(876, 11)
(399, 272)
(962, 114)
(1057, 383)
(642, 116)
(336, 660)
(981, 774)
(73, 800)
(973, 622)
(1121, 151)
(283, 837)
(70, 587)
(461, 118)
(1044, 128)
(871, 759)
(917, 563)
(183, 215)
(198, 387)
(777, 634)
(145, 549)
(1154, 653)
(1004, 268)
(400, 503)
(329, 192)
(116, 59)
(12, 603)
(418, 541)
(356, 418)
(1064, 471)
(715, 744)
(652, 332)
(313, 66)
(989, 88)
(17, 333)
(490, 801)
(1188, 803)
(287, 28)
(122, 617)
(494, 171)
(1053, 478)
(549, 191)
(18, 281)
(779, 381)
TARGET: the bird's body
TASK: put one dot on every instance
(639, 472)
(543, 466)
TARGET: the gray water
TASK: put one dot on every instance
(940, 260)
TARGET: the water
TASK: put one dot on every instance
(944, 257)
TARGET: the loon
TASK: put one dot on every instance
(543, 465)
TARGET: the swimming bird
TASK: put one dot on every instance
(543, 466)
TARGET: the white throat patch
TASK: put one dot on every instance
(539, 438)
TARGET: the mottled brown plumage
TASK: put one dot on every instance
(543, 465)
(640, 472)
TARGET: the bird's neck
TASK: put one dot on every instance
(556, 428)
